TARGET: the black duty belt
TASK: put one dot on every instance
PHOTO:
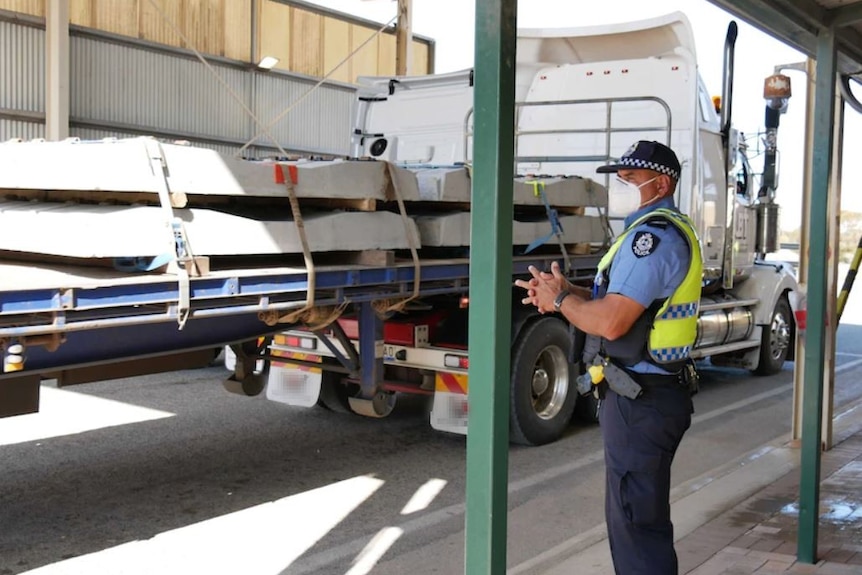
(648, 380)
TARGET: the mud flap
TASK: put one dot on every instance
(450, 409)
(294, 384)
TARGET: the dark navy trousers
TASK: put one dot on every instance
(641, 437)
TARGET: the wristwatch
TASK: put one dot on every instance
(558, 301)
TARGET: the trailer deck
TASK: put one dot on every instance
(96, 314)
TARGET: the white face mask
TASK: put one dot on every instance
(624, 197)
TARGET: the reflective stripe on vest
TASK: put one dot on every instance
(674, 328)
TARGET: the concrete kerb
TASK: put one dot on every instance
(695, 502)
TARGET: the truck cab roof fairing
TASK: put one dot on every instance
(654, 37)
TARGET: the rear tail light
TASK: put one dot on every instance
(459, 361)
(301, 342)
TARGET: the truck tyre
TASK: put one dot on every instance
(334, 395)
(251, 385)
(542, 391)
(775, 340)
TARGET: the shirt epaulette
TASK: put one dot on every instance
(658, 222)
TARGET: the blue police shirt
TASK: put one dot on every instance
(650, 265)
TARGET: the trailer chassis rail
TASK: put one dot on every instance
(123, 300)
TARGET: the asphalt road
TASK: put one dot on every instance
(170, 474)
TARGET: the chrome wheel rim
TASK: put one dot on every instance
(550, 382)
(780, 336)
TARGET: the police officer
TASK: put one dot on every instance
(641, 322)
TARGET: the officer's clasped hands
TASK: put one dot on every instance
(543, 287)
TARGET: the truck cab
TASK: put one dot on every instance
(583, 95)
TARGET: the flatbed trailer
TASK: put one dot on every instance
(134, 256)
(78, 323)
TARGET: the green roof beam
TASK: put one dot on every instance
(846, 14)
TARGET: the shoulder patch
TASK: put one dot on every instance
(644, 243)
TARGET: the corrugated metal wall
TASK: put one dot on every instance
(17, 129)
(127, 86)
(22, 68)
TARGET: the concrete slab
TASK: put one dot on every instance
(570, 191)
(452, 230)
(131, 231)
(338, 179)
(448, 184)
(124, 166)
(433, 184)
(35, 275)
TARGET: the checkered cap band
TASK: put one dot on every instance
(647, 155)
(647, 165)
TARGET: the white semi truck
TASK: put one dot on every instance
(583, 96)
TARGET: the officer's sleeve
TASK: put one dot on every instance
(650, 265)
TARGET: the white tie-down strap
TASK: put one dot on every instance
(180, 250)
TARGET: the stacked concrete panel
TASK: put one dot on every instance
(101, 200)
(452, 184)
(124, 166)
(452, 230)
(92, 231)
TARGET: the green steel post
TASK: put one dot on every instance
(812, 390)
(490, 286)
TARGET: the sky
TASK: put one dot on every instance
(451, 24)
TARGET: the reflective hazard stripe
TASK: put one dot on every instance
(288, 355)
(667, 354)
(450, 382)
(680, 311)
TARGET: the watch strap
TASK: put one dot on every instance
(558, 301)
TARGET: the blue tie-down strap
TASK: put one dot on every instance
(556, 229)
(142, 264)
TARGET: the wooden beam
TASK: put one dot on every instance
(57, 70)
(404, 39)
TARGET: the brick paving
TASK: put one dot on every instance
(760, 535)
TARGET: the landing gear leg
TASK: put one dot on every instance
(245, 379)
(372, 401)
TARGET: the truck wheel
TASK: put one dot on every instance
(542, 392)
(775, 340)
(334, 395)
(250, 385)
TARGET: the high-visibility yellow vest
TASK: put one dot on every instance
(674, 324)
